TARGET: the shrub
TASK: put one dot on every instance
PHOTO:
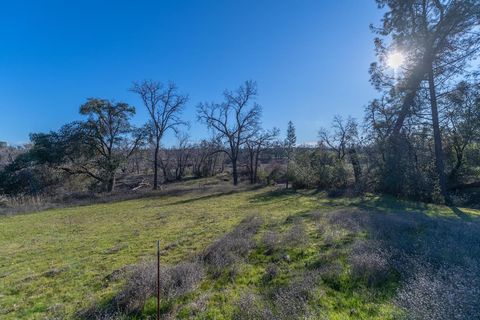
(271, 241)
(291, 301)
(297, 235)
(437, 260)
(224, 254)
(251, 307)
(141, 284)
(369, 263)
(139, 287)
(181, 279)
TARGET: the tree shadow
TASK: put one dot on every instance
(205, 197)
(271, 195)
(462, 215)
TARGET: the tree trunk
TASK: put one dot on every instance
(357, 169)
(453, 174)
(111, 183)
(287, 172)
(255, 172)
(155, 166)
(251, 170)
(234, 172)
(437, 135)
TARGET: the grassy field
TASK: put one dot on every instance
(57, 262)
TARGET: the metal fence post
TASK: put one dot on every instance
(158, 279)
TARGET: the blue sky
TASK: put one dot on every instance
(310, 58)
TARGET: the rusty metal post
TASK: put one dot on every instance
(158, 279)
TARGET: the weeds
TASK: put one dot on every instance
(369, 262)
(297, 235)
(225, 253)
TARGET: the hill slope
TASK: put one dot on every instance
(59, 262)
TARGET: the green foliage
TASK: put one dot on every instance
(318, 168)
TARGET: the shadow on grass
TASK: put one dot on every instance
(274, 195)
(391, 204)
(459, 213)
(205, 197)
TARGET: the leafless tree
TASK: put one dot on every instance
(255, 146)
(234, 121)
(164, 104)
(206, 157)
(342, 135)
(182, 155)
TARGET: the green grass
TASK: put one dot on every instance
(57, 262)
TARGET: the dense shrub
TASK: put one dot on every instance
(318, 168)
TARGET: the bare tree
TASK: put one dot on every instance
(255, 145)
(206, 156)
(234, 121)
(342, 135)
(164, 104)
(182, 155)
(343, 140)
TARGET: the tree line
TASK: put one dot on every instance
(419, 138)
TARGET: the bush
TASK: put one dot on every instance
(271, 241)
(141, 285)
(181, 279)
(225, 253)
(297, 235)
(318, 168)
(436, 260)
(369, 263)
(251, 307)
(291, 301)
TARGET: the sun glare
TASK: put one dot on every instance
(395, 60)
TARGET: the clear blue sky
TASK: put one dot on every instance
(310, 57)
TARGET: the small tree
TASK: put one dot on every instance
(289, 146)
(234, 121)
(255, 146)
(164, 105)
(343, 140)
